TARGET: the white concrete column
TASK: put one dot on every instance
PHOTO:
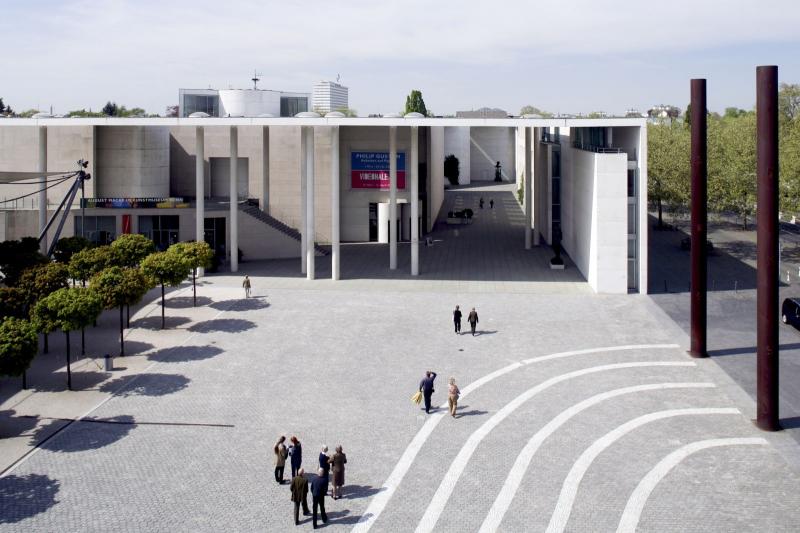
(528, 188)
(265, 170)
(199, 187)
(309, 155)
(43, 188)
(393, 197)
(414, 164)
(234, 200)
(335, 188)
(302, 225)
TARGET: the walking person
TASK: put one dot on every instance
(299, 490)
(491, 203)
(472, 318)
(319, 489)
(426, 388)
(481, 202)
(246, 285)
(296, 453)
(338, 461)
(453, 393)
(281, 453)
(457, 320)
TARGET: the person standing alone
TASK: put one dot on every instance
(426, 388)
(457, 319)
(246, 285)
(453, 393)
(472, 318)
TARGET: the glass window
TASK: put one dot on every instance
(204, 103)
(292, 105)
(631, 219)
(556, 163)
(99, 230)
(631, 248)
(161, 229)
(631, 183)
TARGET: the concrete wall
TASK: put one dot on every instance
(489, 145)
(542, 174)
(132, 161)
(436, 170)
(220, 168)
(456, 142)
(643, 223)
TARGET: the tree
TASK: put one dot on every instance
(12, 303)
(18, 346)
(2, 106)
(18, 256)
(734, 112)
(668, 165)
(83, 113)
(110, 109)
(532, 110)
(415, 103)
(28, 113)
(347, 111)
(39, 282)
(68, 309)
(790, 166)
(451, 171)
(172, 111)
(118, 287)
(731, 169)
(130, 249)
(86, 263)
(165, 268)
(198, 255)
(789, 101)
(67, 246)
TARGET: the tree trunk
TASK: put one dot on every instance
(46, 344)
(69, 371)
(162, 307)
(83, 342)
(128, 324)
(194, 286)
(660, 217)
(121, 338)
(24, 380)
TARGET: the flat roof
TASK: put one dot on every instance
(337, 121)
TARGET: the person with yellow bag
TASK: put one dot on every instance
(426, 388)
(416, 397)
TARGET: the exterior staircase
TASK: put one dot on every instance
(276, 224)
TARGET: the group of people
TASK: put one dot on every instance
(299, 486)
(472, 318)
(427, 390)
(491, 203)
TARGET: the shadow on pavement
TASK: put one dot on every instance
(15, 426)
(186, 302)
(81, 380)
(353, 492)
(229, 325)
(26, 496)
(790, 423)
(749, 350)
(342, 517)
(183, 354)
(92, 434)
(146, 385)
(154, 322)
(474, 412)
(244, 304)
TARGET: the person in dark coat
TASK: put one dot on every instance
(299, 490)
(481, 202)
(338, 461)
(325, 459)
(296, 453)
(426, 388)
(472, 318)
(457, 319)
(491, 203)
(319, 489)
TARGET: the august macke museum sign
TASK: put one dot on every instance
(370, 170)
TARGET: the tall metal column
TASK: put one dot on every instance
(335, 186)
(699, 289)
(528, 189)
(199, 187)
(265, 169)
(393, 197)
(43, 188)
(302, 225)
(309, 155)
(234, 199)
(767, 248)
(414, 164)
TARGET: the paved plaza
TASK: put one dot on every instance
(579, 412)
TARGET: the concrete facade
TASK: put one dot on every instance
(456, 142)
(132, 161)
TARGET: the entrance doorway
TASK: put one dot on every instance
(373, 222)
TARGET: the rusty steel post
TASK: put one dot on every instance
(699, 283)
(767, 248)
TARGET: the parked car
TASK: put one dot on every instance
(686, 244)
(790, 312)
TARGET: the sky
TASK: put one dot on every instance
(566, 56)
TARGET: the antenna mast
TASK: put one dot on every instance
(255, 79)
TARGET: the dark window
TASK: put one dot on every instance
(161, 229)
(631, 183)
(203, 103)
(292, 105)
(99, 230)
(556, 161)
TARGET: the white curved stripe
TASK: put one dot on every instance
(635, 506)
(381, 499)
(501, 504)
(458, 465)
(558, 522)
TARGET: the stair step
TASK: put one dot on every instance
(274, 223)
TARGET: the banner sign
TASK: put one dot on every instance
(370, 170)
(134, 203)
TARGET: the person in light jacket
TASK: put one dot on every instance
(281, 453)
(453, 393)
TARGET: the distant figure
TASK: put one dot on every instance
(324, 460)
(453, 394)
(481, 202)
(491, 203)
(457, 320)
(472, 318)
(426, 388)
(246, 285)
(296, 453)
(319, 489)
(338, 461)
(498, 172)
(299, 490)
(557, 247)
(281, 453)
